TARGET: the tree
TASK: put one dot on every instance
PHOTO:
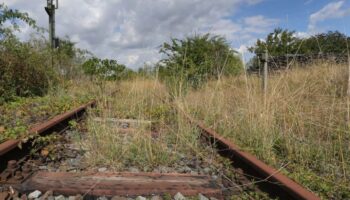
(13, 16)
(69, 58)
(198, 58)
(332, 42)
(277, 43)
(106, 69)
(23, 69)
(280, 42)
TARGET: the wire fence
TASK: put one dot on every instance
(286, 61)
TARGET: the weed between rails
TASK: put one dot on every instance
(176, 146)
(168, 140)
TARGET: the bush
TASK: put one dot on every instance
(197, 59)
(68, 59)
(283, 41)
(106, 69)
(23, 70)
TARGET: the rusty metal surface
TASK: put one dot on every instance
(4, 195)
(15, 173)
(9, 145)
(289, 188)
(123, 184)
(59, 118)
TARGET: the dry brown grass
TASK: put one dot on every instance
(301, 123)
(140, 99)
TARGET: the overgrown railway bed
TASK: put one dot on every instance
(56, 169)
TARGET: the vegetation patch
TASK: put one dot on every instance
(192, 61)
(299, 126)
(18, 116)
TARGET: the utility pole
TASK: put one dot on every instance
(50, 9)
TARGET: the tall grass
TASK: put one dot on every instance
(301, 123)
(141, 99)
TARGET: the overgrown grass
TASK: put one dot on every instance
(302, 123)
(140, 99)
(17, 116)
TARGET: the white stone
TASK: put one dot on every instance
(43, 167)
(71, 198)
(202, 197)
(102, 169)
(140, 198)
(207, 170)
(34, 195)
(179, 196)
(61, 197)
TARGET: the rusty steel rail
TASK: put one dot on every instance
(271, 180)
(12, 144)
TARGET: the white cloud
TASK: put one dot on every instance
(243, 49)
(259, 24)
(132, 59)
(302, 35)
(131, 31)
(332, 10)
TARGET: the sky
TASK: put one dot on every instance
(131, 31)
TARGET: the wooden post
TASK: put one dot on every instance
(265, 72)
(264, 77)
(348, 91)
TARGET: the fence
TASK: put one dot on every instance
(286, 61)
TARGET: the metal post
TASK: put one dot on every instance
(50, 9)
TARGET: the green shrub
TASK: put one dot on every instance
(106, 69)
(194, 60)
(23, 67)
(24, 71)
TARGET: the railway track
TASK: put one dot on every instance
(22, 173)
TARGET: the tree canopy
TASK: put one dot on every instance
(14, 16)
(282, 42)
(198, 58)
(278, 42)
(105, 69)
(332, 42)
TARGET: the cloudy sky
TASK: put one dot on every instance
(131, 31)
